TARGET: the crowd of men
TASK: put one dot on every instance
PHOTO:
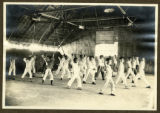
(80, 67)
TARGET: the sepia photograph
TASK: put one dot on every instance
(79, 56)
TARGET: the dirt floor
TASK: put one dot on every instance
(23, 93)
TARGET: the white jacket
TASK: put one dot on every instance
(28, 63)
(129, 64)
(108, 71)
(75, 69)
(121, 68)
(142, 65)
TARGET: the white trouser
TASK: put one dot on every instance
(59, 68)
(33, 69)
(75, 77)
(65, 71)
(121, 75)
(27, 70)
(48, 72)
(110, 81)
(130, 72)
(82, 70)
(12, 69)
(141, 74)
(90, 72)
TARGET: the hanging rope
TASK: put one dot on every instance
(66, 37)
(44, 33)
(59, 46)
(34, 32)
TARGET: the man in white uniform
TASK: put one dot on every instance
(28, 68)
(82, 65)
(60, 65)
(12, 67)
(100, 67)
(115, 63)
(44, 65)
(134, 65)
(129, 70)
(33, 65)
(137, 65)
(91, 70)
(141, 74)
(75, 75)
(121, 74)
(109, 79)
(65, 68)
(50, 62)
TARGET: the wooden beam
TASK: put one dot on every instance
(67, 9)
(54, 17)
(99, 19)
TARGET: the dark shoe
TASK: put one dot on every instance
(103, 79)
(139, 78)
(100, 93)
(148, 87)
(128, 78)
(79, 88)
(84, 82)
(121, 81)
(51, 82)
(93, 83)
(61, 79)
(132, 81)
(13, 78)
(42, 81)
(133, 85)
(113, 94)
(126, 87)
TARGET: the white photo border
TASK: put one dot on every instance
(56, 3)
